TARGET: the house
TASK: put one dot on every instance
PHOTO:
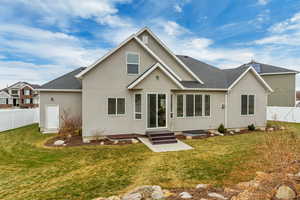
(142, 86)
(20, 94)
(281, 80)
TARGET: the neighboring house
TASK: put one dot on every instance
(20, 94)
(281, 80)
(142, 86)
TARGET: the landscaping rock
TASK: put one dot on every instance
(59, 142)
(113, 198)
(132, 196)
(270, 129)
(134, 141)
(237, 130)
(116, 141)
(101, 143)
(157, 195)
(188, 137)
(185, 195)
(202, 186)
(298, 174)
(216, 195)
(281, 128)
(231, 132)
(262, 129)
(285, 192)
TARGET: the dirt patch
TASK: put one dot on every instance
(77, 141)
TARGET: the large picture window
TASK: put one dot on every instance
(247, 104)
(138, 106)
(3, 101)
(116, 106)
(132, 61)
(195, 105)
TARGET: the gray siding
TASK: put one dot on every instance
(69, 101)
(247, 85)
(284, 86)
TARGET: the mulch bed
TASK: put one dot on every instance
(77, 141)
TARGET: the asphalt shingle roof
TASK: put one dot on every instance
(66, 81)
(212, 77)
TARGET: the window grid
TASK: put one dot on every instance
(247, 105)
(130, 63)
(200, 107)
(116, 106)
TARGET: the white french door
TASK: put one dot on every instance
(156, 110)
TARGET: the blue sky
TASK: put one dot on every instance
(40, 40)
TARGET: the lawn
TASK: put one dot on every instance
(28, 170)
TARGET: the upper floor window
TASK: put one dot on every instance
(145, 39)
(14, 92)
(247, 105)
(27, 101)
(133, 62)
(26, 92)
(3, 101)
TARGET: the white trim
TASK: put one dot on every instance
(256, 74)
(278, 73)
(134, 110)
(46, 117)
(254, 110)
(167, 115)
(59, 90)
(226, 110)
(205, 89)
(104, 57)
(116, 115)
(170, 52)
(139, 62)
(157, 58)
(122, 44)
(157, 65)
(25, 86)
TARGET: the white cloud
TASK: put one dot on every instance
(177, 8)
(58, 12)
(283, 33)
(263, 2)
(56, 47)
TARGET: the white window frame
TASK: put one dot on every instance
(171, 106)
(194, 111)
(248, 97)
(27, 90)
(127, 53)
(27, 99)
(145, 39)
(135, 112)
(4, 101)
(116, 98)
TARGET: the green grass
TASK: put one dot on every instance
(28, 170)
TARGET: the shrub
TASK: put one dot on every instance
(70, 126)
(251, 127)
(222, 129)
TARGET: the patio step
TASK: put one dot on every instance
(161, 137)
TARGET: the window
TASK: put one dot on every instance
(132, 62)
(116, 106)
(180, 105)
(14, 92)
(189, 105)
(171, 102)
(138, 106)
(27, 101)
(198, 105)
(195, 105)
(26, 92)
(247, 104)
(3, 101)
(145, 39)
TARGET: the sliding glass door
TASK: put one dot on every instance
(156, 108)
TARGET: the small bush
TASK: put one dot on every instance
(251, 127)
(70, 126)
(222, 129)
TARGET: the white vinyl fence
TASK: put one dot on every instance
(14, 118)
(285, 114)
